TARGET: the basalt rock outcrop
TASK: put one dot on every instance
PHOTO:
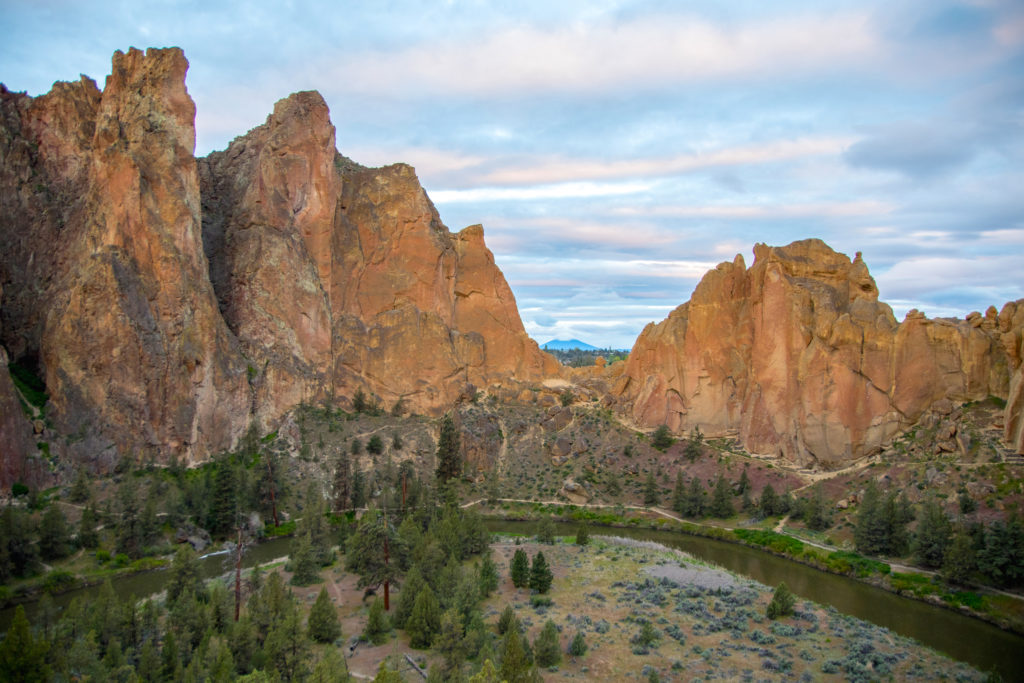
(798, 357)
(169, 302)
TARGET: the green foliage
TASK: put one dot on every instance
(450, 644)
(582, 535)
(540, 574)
(721, 499)
(782, 604)
(80, 489)
(375, 445)
(487, 576)
(323, 625)
(29, 384)
(23, 657)
(578, 646)
(411, 587)
(507, 620)
(365, 553)
(566, 398)
(54, 534)
(19, 555)
(546, 531)
(224, 502)
(342, 481)
(449, 456)
(425, 619)
(661, 439)
(377, 628)
(305, 569)
(651, 492)
(768, 504)
(647, 637)
(779, 543)
(515, 667)
(546, 649)
(184, 576)
(934, 533)
(959, 561)
(694, 445)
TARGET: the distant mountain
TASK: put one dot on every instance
(566, 344)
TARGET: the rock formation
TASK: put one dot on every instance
(797, 355)
(15, 431)
(169, 303)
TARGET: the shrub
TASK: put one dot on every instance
(782, 603)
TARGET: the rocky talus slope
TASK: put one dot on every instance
(798, 357)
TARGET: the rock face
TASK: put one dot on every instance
(170, 302)
(338, 278)
(15, 431)
(799, 357)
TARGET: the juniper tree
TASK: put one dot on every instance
(582, 534)
(768, 503)
(696, 499)
(662, 437)
(519, 571)
(540, 574)
(425, 619)
(449, 459)
(651, 492)
(515, 667)
(679, 494)
(507, 620)
(487, 576)
(546, 649)
(323, 625)
(54, 535)
(578, 646)
(782, 603)
(377, 627)
(411, 587)
(450, 644)
(342, 481)
(934, 532)
(721, 499)
(694, 445)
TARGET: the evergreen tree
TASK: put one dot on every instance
(411, 587)
(515, 667)
(578, 646)
(331, 668)
(342, 481)
(450, 644)
(487, 674)
(129, 528)
(358, 489)
(224, 501)
(23, 657)
(19, 555)
(744, 482)
(662, 437)
(783, 602)
(547, 650)
(185, 576)
(375, 445)
(768, 504)
(696, 499)
(721, 499)
(546, 531)
(507, 620)
(88, 537)
(934, 533)
(1001, 558)
(679, 505)
(651, 492)
(966, 502)
(270, 486)
(959, 562)
(80, 489)
(54, 535)
(540, 574)
(287, 648)
(449, 458)
(487, 576)
(377, 626)
(898, 514)
(303, 564)
(694, 445)
(519, 571)
(387, 675)
(323, 625)
(425, 620)
(582, 534)
(366, 550)
(816, 513)
(871, 535)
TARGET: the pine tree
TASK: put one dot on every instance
(358, 489)
(871, 535)
(129, 529)
(694, 445)
(425, 620)
(331, 668)
(224, 500)
(519, 571)
(515, 667)
(768, 503)
(323, 625)
(450, 644)
(582, 534)
(54, 535)
(782, 603)
(88, 537)
(507, 620)
(540, 574)
(651, 492)
(721, 499)
(744, 482)
(959, 562)
(662, 438)
(80, 489)
(449, 459)
(287, 648)
(366, 555)
(377, 626)
(578, 646)
(411, 587)
(185, 576)
(696, 499)
(487, 576)
(375, 445)
(342, 482)
(934, 533)
(679, 494)
(23, 657)
(547, 650)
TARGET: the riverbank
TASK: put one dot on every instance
(994, 607)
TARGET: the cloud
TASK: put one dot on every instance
(865, 207)
(917, 150)
(639, 53)
(554, 191)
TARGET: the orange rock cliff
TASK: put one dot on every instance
(169, 302)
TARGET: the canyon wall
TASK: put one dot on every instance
(798, 357)
(168, 303)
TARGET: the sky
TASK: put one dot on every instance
(616, 150)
